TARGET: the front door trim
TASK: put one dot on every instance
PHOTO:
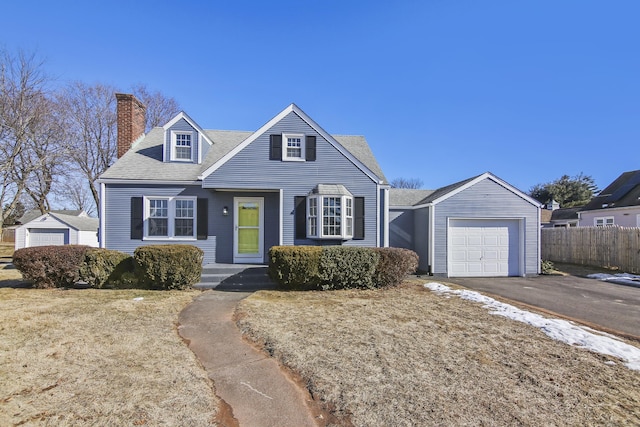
(252, 258)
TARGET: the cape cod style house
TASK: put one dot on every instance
(236, 194)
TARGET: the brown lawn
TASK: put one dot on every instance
(407, 357)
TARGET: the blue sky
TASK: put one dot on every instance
(443, 90)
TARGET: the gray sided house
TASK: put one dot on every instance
(481, 226)
(236, 194)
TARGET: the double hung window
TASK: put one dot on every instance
(181, 146)
(603, 221)
(293, 147)
(170, 217)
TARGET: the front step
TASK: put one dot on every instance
(235, 277)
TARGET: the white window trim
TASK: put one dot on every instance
(604, 221)
(285, 137)
(171, 206)
(638, 220)
(320, 216)
(174, 134)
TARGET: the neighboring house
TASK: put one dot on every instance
(565, 217)
(56, 228)
(236, 194)
(618, 204)
(481, 226)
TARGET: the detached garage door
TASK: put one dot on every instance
(47, 236)
(484, 247)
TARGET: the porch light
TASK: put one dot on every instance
(225, 211)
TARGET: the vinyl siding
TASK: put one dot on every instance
(118, 216)
(22, 232)
(182, 126)
(251, 169)
(89, 238)
(421, 224)
(486, 199)
(401, 234)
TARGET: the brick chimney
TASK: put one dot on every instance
(131, 118)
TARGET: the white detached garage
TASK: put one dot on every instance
(478, 227)
(58, 229)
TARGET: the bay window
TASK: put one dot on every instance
(330, 216)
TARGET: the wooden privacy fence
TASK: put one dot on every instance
(8, 235)
(610, 247)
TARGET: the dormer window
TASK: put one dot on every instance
(181, 146)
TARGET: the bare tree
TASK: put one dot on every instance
(412, 183)
(23, 121)
(74, 194)
(92, 126)
(160, 109)
(91, 136)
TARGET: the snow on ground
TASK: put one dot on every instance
(620, 278)
(557, 329)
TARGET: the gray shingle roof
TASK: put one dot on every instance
(407, 197)
(144, 160)
(82, 223)
(35, 213)
(623, 191)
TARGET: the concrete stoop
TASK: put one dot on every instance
(235, 277)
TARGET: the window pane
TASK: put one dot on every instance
(158, 227)
(184, 208)
(184, 227)
(248, 241)
(248, 215)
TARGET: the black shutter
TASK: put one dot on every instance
(203, 218)
(301, 217)
(310, 149)
(275, 149)
(137, 218)
(358, 229)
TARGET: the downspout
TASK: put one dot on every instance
(280, 233)
(101, 231)
(378, 215)
(386, 217)
(432, 224)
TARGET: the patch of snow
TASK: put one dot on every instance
(620, 278)
(138, 298)
(561, 330)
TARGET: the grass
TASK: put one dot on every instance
(98, 357)
(406, 356)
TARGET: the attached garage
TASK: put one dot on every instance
(484, 247)
(479, 227)
(46, 237)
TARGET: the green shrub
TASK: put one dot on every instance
(343, 267)
(394, 265)
(295, 267)
(107, 268)
(168, 266)
(50, 266)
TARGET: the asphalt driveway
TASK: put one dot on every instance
(606, 306)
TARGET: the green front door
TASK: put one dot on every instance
(248, 230)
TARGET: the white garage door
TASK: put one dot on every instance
(483, 248)
(44, 237)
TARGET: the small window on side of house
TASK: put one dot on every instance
(293, 147)
(605, 221)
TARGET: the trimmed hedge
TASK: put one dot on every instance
(295, 267)
(108, 268)
(343, 267)
(167, 267)
(394, 265)
(339, 267)
(50, 266)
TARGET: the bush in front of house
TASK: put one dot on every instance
(106, 268)
(394, 265)
(343, 267)
(339, 267)
(295, 267)
(50, 266)
(166, 267)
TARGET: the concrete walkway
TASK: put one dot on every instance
(252, 384)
